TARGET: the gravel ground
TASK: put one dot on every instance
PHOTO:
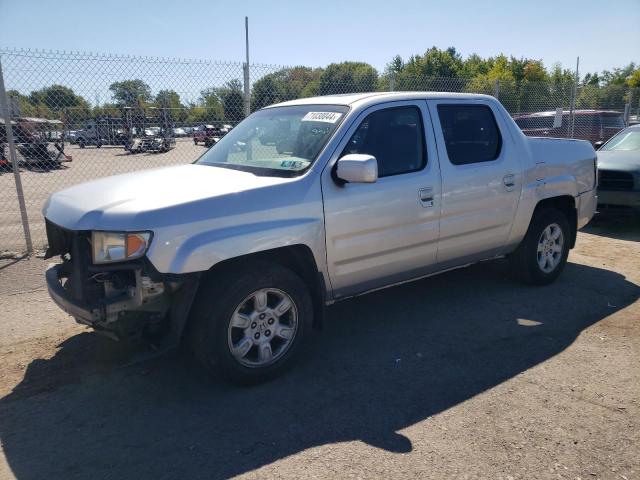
(465, 375)
(87, 164)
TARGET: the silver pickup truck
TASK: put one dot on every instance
(240, 252)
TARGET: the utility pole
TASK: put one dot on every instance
(247, 93)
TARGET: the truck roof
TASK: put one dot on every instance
(352, 98)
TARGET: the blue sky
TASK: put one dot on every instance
(604, 34)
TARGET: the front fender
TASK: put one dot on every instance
(179, 250)
(205, 249)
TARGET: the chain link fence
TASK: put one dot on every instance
(74, 117)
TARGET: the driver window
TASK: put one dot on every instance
(395, 136)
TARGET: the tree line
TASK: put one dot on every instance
(521, 84)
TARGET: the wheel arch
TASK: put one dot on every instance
(565, 204)
(298, 258)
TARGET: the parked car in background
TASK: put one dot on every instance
(201, 132)
(240, 252)
(592, 125)
(208, 135)
(157, 139)
(619, 171)
(101, 131)
(40, 142)
(72, 137)
(179, 132)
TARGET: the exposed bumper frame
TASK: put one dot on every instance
(81, 311)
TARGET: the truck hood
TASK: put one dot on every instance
(623, 161)
(150, 198)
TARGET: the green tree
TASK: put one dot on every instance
(131, 93)
(634, 79)
(232, 99)
(475, 66)
(348, 77)
(210, 108)
(58, 98)
(170, 100)
(434, 70)
(21, 104)
(285, 84)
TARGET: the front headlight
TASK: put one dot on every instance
(109, 247)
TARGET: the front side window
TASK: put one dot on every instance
(395, 136)
(279, 141)
(470, 133)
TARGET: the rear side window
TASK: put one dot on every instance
(613, 121)
(534, 122)
(395, 136)
(586, 121)
(470, 133)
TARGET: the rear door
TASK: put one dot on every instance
(481, 179)
(384, 232)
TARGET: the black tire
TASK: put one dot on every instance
(524, 261)
(81, 143)
(215, 305)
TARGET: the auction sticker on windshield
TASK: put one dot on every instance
(329, 117)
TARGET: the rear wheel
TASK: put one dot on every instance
(542, 255)
(248, 324)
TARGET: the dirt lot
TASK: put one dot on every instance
(465, 375)
(87, 164)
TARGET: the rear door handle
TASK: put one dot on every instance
(426, 196)
(509, 181)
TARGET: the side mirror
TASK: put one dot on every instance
(357, 168)
(598, 144)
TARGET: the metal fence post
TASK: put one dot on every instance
(392, 81)
(247, 94)
(496, 88)
(247, 88)
(627, 108)
(6, 114)
(572, 106)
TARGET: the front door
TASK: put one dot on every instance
(384, 232)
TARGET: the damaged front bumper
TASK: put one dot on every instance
(144, 296)
(126, 300)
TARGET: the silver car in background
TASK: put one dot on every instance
(619, 171)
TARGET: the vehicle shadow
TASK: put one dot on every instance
(615, 224)
(383, 362)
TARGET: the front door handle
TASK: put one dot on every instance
(509, 181)
(426, 196)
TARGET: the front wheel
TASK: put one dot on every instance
(249, 323)
(542, 255)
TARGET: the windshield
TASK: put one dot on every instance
(280, 141)
(627, 140)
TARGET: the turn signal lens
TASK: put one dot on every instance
(136, 244)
